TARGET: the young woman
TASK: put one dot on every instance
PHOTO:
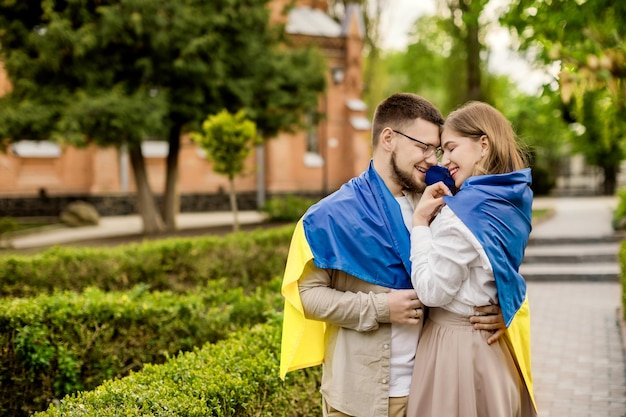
(466, 251)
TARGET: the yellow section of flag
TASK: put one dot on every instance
(518, 337)
(302, 339)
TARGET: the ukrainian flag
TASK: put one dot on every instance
(359, 230)
(497, 209)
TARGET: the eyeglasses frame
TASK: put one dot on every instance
(436, 150)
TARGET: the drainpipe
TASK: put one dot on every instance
(124, 170)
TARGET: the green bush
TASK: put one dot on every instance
(247, 259)
(622, 261)
(100, 314)
(619, 215)
(236, 377)
(57, 344)
(8, 225)
(287, 208)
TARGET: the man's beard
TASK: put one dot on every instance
(405, 180)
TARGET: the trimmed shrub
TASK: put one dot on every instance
(288, 208)
(247, 259)
(57, 344)
(236, 377)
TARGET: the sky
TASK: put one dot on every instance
(401, 14)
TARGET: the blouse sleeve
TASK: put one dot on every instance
(441, 255)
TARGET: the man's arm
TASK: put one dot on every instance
(360, 310)
(492, 320)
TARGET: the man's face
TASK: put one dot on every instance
(409, 162)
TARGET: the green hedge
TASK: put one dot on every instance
(57, 344)
(287, 208)
(622, 261)
(236, 377)
(247, 259)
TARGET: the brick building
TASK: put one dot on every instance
(315, 161)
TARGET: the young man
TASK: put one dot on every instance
(349, 300)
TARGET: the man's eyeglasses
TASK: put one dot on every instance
(428, 149)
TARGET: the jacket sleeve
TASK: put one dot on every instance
(337, 298)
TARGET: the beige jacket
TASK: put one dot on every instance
(356, 369)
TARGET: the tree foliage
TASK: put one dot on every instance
(228, 139)
(539, 125)
(115, 72)
(435, 65)
(586, 41)
(428, 66)
(445, 60)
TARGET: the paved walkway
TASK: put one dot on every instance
(115, 226)
(576, 217)
(577, 349)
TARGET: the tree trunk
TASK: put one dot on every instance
(371, 18)
(152, 222)
(233, 204)
(472, 46)
(610, 180)
(171, 199)
(474, 91)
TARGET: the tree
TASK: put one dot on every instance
(115, 72)
(445, 59)
(586, 41)
(539, 124)
(228, 140)
(286, 88)
(466, 29)
(373, 11)
(428, 67)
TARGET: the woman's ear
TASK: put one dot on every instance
(484, 145)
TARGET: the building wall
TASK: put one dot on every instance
(344, 150)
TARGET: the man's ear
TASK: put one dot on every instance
(385, 140)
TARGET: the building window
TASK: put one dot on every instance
(154, 148)
(312, 157)
(36, 149)
(312, 138)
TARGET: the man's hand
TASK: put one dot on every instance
(404, 307)
(493, 320)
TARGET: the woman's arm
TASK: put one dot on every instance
(440, 257)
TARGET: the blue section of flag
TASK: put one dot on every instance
(438, 173)
(359, 229)
(497, 209)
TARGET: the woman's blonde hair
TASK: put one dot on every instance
(476, 119)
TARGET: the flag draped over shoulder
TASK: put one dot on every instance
(359, 229)
(497, 209)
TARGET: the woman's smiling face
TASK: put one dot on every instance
(461, 154)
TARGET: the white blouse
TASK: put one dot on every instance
(449, 266)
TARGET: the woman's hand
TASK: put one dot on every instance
(430, 203)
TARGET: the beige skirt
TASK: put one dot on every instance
(457, 374)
